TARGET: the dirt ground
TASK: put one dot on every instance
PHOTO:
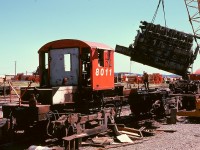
(186, 136)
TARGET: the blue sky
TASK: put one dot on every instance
(26, 25)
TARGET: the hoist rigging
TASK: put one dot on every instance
(155, 14)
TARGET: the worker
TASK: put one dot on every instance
(146, 80)
(32, 101)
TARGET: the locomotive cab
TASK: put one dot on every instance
(76, 63)
(71, 71)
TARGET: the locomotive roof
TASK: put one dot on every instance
(72, 43)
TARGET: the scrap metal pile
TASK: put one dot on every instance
(148, 103)
(187, 97)
(162, 48)
(4, 90)
(185, 87)
(182, 95)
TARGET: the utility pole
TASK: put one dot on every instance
(15, 67)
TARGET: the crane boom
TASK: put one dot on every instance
(193, 11)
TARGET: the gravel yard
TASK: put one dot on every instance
(186, 137)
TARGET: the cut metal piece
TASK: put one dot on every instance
(162, 48)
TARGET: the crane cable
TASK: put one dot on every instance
(163, 5)
(155, 14)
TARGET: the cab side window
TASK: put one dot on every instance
(101, 57)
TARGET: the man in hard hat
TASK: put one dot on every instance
(145, 78)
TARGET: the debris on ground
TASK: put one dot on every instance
(123, 138)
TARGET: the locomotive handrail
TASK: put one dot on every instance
(14, 89)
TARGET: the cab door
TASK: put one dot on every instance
(64, 66)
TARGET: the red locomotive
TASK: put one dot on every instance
(75, 76)
(77, 72)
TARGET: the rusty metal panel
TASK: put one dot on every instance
(51, 96)
(24, 113)
(63, 94)
(64, 66)
(162, 48)
(44, 96)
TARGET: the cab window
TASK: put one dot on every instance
(101, 57)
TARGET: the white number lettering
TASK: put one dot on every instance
(102, 72)
(106, 72)
(97, 72)
(110, 72)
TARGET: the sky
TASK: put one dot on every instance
(26, 25)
